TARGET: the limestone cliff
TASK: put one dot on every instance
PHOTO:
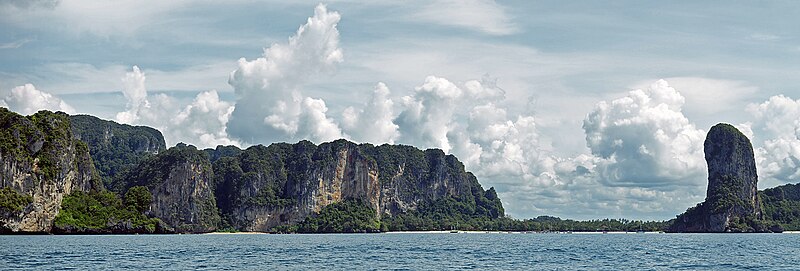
(282, 184)
(40, 162)
(181, 183)
(43, 162)
(732, 202)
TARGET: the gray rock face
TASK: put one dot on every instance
(732, 202)
(185, 200)
(181, 182)
(732, 177)
(341, 170)
(45, 162)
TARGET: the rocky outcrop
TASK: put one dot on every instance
(40, 160)
(180, 180)
(282, 184)
(116, 148)
(732, 202)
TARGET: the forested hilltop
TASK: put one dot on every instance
(81, 174)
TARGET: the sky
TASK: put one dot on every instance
(576, 109)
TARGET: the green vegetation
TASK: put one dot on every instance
(221, 152)
(138, 198)
(451, 213)
(57, 138)
(259, 175)
(480, 212)
(16, 132)
(153, 171)
(38, 137)
(749, 223)
(103, 212)
(390, 158)
(726, 194)
(726, 128)
(349, 216)
(12, 201)
(782, 205)
(116, 148)
(179, 167)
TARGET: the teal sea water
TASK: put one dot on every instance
(403, 251)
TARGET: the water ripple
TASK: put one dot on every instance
(420, 251)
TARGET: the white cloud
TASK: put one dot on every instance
(202, 122)
(486, 16)
(645, 140)
(27, 100)
(777, 124)
(709, 96)
(205, 120)
(374, 122)
(270, 105)
(135, 93)
(646, 160)
(428, 115)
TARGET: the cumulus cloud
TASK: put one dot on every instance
(270, 105)
(777, 124)
(374, 122)
(136, 94)
(470, 121)
(27, 100)
(645, 140)
(707, 96)
(202, 122)
(645, 159)
(428, 114)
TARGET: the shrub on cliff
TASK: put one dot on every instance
(101, 212)
(349, 216)
(138, 198)
(12, 201)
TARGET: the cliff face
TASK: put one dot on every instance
(732, 202)
(40, 162)
(732, 179)
(282, 184)
(45, 165)
(180, 180)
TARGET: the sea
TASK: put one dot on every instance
(402, 251)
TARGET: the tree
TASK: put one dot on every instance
(138, 198)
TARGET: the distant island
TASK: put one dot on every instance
(80, 174)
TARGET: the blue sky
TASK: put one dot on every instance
(536, 97)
